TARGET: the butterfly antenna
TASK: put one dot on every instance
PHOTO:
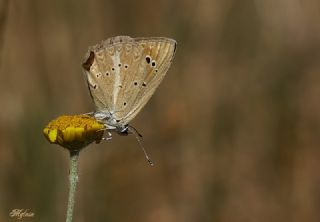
(139, 139)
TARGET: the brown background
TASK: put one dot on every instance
(233, 129)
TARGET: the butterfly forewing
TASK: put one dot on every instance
(155, 61)
(123, 73)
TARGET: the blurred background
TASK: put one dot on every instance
(233, 129)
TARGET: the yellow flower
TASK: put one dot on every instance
(74, 132)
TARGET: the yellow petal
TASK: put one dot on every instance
(53, 135)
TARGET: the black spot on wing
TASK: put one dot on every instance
(148, 59)
(89, 61)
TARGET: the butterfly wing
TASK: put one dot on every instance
(123, 73)
(103, 72)
(154, 61)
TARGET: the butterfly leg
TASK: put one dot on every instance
(89, 114)
(109, 137)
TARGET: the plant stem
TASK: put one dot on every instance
(73, 179)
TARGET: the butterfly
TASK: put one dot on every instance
(122, 74)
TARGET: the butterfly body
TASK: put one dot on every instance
(122, 74)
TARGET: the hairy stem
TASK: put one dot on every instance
(73, 180)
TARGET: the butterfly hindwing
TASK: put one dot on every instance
(104, 75)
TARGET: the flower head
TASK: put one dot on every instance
(74, 132)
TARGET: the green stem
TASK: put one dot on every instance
(73, 179)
